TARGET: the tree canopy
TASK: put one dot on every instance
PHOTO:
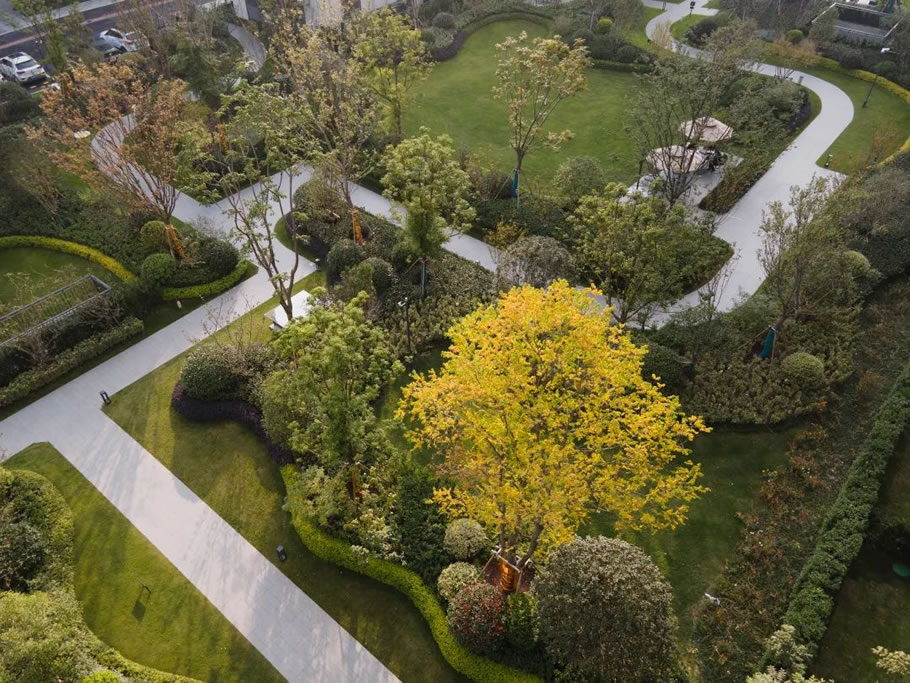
(540, 411)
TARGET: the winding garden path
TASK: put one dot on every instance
(795, 166)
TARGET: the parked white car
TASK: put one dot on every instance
(21, 68)
(127, 41)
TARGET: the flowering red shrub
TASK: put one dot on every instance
(477, 617)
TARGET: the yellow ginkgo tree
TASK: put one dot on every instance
(541, 413)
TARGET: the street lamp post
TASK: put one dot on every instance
(405, 304)
(885, 50)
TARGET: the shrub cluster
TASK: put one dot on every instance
(455, 577)
(465, 539)
(31, 380)
(842, 532)
(208, 289)
(338, 552)
(477, 617)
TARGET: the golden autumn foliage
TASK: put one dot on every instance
(541, 413)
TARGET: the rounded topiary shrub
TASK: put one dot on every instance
(585, 34)
(158, 268)
(428, 38)
(795, 36)
(212, 372)
(665, 364)
(455, 577)
(605, 610)
(535, 261)
(603, 25)
(804, 369)
(383, 273)
(465, 539)
(858, 264)
(343, 255)
(444, 20)
(476, 616)
(154, 236)
(220, 256)
(627, 54)
(23, 551)
(579, 176)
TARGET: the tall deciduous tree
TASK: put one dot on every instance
(540, 412)
(340, 108)
(639, 251)
(534, 77)
(138, 131)
(257, 170)
(395, 57)
(337, 363)
(423, 174)
(802, 253)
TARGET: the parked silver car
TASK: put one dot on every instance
(21, 68)
(127, 41)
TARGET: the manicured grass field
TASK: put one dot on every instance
(43, 271)
(637, 36)
(457, 100)
(874, 602)
(229, 468)
(875, 132)
(692, 557)
(174, 628)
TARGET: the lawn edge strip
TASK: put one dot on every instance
(212, 288)
(843, 530)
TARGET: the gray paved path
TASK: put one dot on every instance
(795, 166)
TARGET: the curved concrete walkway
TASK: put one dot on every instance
(795, 166)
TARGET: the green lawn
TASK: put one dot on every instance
(882, 126)
(457, 100)
(229, 468)
(692, 557)
(679, 28)
(873, 602)
(27, 273)
(175, 628)
(637, 36)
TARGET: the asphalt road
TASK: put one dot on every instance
(97, 20)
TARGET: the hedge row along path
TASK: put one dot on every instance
(795, 166)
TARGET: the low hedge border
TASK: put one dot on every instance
(208, 289)
(338, 552)
(843, 530)
(442, 54)
(59, 574)
(94, 346)
(114, 266)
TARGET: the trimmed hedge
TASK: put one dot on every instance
(441, 54)
(229, 409)
(114, 266)
(31, 380)
(338, 552)
(212, 288)
(843, 530)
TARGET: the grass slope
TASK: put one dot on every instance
(873, 602)
(457, 100)
(43, 271)
(175, 628)
(228, 467)
(692, 556)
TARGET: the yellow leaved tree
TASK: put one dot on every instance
(541, 413)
